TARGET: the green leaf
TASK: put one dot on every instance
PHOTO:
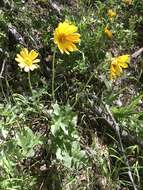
(27, 140)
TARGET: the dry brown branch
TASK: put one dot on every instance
(117, 130)
(137, 53)
(126, 137)
(2, 68)
(110, 121)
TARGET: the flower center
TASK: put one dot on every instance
(114, 66)
(28, 61)
(62, 38)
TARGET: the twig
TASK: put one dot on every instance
(137, 53)
(2, 69)
(41, 185)
(56, 7)
(108, 123)
(117, 129)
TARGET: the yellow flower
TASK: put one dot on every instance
(111, 14)
(27, 60)
(108, 32)
(117, 64)
(65, 37)
(128, 2)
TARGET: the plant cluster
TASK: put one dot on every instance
(71, 95)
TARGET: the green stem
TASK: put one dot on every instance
(29, 81)
(90, 78)
(53, 76)
(78, 96)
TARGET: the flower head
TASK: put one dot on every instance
(27, 60)
(128, 2)
(65, 37)
(117, 64)
(111, 14)
(108, 32)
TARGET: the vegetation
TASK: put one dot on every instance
(71, 95)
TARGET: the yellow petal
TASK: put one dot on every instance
(36, 61)
(72, 47)
(124, 58)
(108, 32)
(60, 48)
(118, 70)
(112, 76)
(19, 60)
(71, 29)
(19, 56)
(33, 54)
(24, 52)
(124, 65)
(111, 13)
(65, 27)
(117, 64)
(21, 65)
(75, 38)
(68, 47)
(32, 67)
(26, 69)
(65, 37)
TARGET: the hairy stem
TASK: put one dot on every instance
(29, 81)
(53, 76)
(88, 81)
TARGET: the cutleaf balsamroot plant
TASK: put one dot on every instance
(117, 65)
(66, 36)
(128, 2)
(111, 14)
(62, 136)
(108, 32)
(27, 60)
(65, 137)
